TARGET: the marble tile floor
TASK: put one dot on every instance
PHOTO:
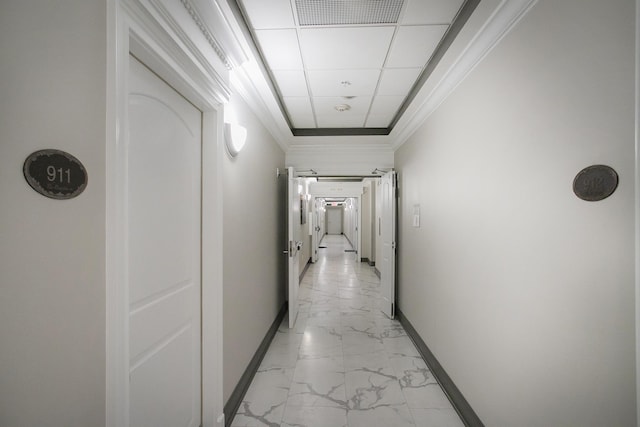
(345, 363)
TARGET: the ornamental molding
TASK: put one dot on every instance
(207, 34)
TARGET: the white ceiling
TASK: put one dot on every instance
(372, 68)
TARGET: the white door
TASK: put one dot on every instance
(388, 237)
(334, 220)
(163, 216)
(294, 242)
(356, 228)
(315, 228)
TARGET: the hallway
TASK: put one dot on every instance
(345, 363)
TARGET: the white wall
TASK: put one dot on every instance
(524, 292)
(52, 252)
(254, 237)
(331, 159)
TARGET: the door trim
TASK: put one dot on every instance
(136, 27)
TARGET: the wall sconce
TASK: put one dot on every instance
(234, 138)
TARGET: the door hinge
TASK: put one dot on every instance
(393, 245)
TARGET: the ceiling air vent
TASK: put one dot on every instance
(348, 12)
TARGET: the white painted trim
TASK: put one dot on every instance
(172, 45)
(251, 84)
(114, 326)
(210, 19)
(117, 366)
(212, 278)
(503, 19)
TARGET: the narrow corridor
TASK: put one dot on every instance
(345, 363)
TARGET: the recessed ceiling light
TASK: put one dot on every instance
(342, 107)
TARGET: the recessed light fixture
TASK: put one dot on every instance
(342, 107)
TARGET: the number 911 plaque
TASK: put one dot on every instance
(55, 174)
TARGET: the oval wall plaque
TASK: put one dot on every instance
(55, 174)
(595, 183)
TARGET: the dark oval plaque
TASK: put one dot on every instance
(55, 174)
(595, 183)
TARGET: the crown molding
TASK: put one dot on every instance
(216, 28)
(493, 20)
(165, 36)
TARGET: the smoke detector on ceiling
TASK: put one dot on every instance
(342, 107)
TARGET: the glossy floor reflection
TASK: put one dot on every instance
(345, 363)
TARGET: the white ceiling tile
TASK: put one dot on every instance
(291, 82)
(337, 48)
(343, 82)
(280, 47)
(379, 121)
(300, 111)
(386, 105)
(333, 121)
(430, 11)
(414, 45)
(325, 105)
(397, 81)
(269, 14)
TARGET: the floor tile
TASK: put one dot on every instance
(382, 416)
(314, 416)
(261, 407)
(429, 396)
(344, 363)
(369, 388)
(436, 417)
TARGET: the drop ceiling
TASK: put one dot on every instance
(350, 67)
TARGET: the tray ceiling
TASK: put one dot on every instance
(350, 67)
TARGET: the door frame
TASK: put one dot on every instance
(314, 232)
(389, 224)
(293, 244)
(355, 190)
(136, 27)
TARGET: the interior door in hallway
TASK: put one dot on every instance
(334, 220)
(388, 238)
(315, 228)
(163, 215)
(294, 244)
